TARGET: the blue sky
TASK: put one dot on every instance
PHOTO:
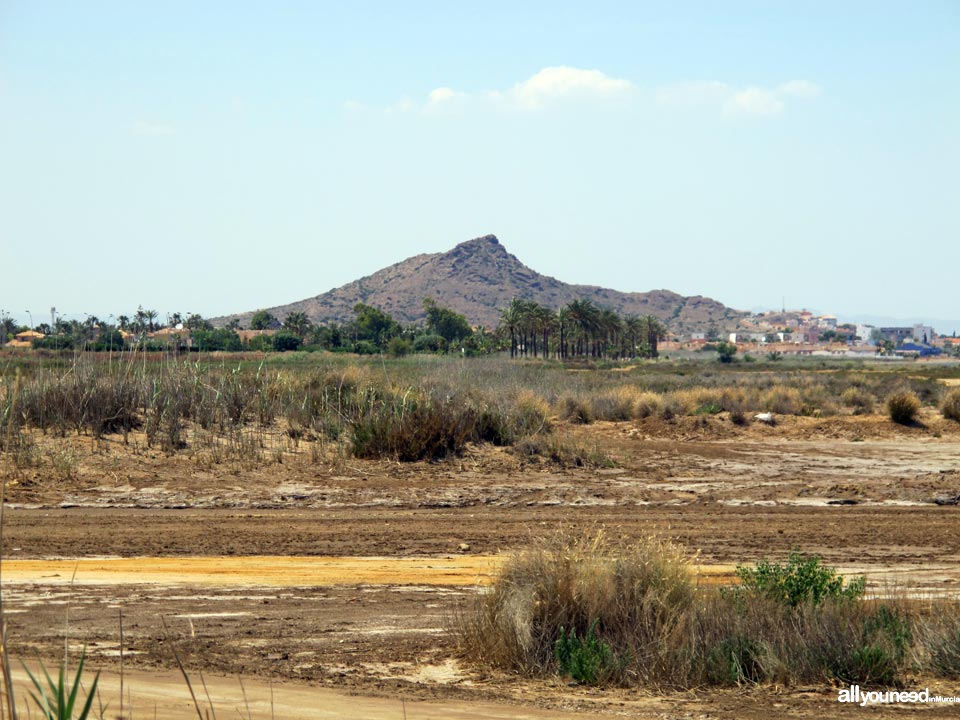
(217, 157)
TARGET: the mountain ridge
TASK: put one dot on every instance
(478, 278)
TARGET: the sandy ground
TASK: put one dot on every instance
(343, 576)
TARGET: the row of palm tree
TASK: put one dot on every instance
(580, 329)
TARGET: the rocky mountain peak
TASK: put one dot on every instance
(478, 278)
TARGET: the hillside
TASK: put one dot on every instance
(478, 278)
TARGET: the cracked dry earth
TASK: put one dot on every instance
(341, 577)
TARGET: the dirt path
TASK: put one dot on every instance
(263, 571)
(164, 694)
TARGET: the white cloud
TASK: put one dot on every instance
(753, 101)
(562, 84)
(443, 94)
(150, 128)
(800, 89)
(552, 85)
(443, 98)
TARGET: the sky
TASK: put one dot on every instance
(218, 157)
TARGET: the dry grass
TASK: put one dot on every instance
(903, 407)
(951, 405)
(632, 613)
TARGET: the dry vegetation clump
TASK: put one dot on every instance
(783, 400)
(951, 405)
(628, 613)
(858, 400)
(575, 410)
(940, 630)
(903, 407)
(630, 596)
(647, 404)
(698, 401)
(560, 451)
(408, 427)
(615, 405)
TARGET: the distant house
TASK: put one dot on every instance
(896, 335)
(24, 339)
(248, 335)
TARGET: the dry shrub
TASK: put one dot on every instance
(941, 639)
(903, 407)
(698, 401)
(628, 613)
(502, 424)
(631, 595)
(575, 410)
(783, 400)
(530, 414)
(735, 400)
(818, 402)
(616, 405)
(951, 405)
(409, 428)
(560, 451)
(858, 399)
(647, 404)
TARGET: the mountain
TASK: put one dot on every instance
(477, 279)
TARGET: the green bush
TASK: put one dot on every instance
(802, 579)
(903, 407)
(286, 342)
(429, 343)
(399, 347)
(587, 660)
(365, 347)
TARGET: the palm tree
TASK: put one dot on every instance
(563, 323)
(585, 321)
(510, 319)
(298, 323)
(656, 331)
(610, 328)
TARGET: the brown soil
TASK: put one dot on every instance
(373, 558)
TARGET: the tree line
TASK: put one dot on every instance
(580, 329)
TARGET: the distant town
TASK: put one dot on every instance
(800, 332)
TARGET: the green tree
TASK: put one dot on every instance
(197, 322)
(263, 320)
(298, 323)
(446, 323)
(726, 351)
(373, 325)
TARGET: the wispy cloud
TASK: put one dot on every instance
(752, 101)
(550, 86)
(152, 128)
(565, 85)
(800, 89)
